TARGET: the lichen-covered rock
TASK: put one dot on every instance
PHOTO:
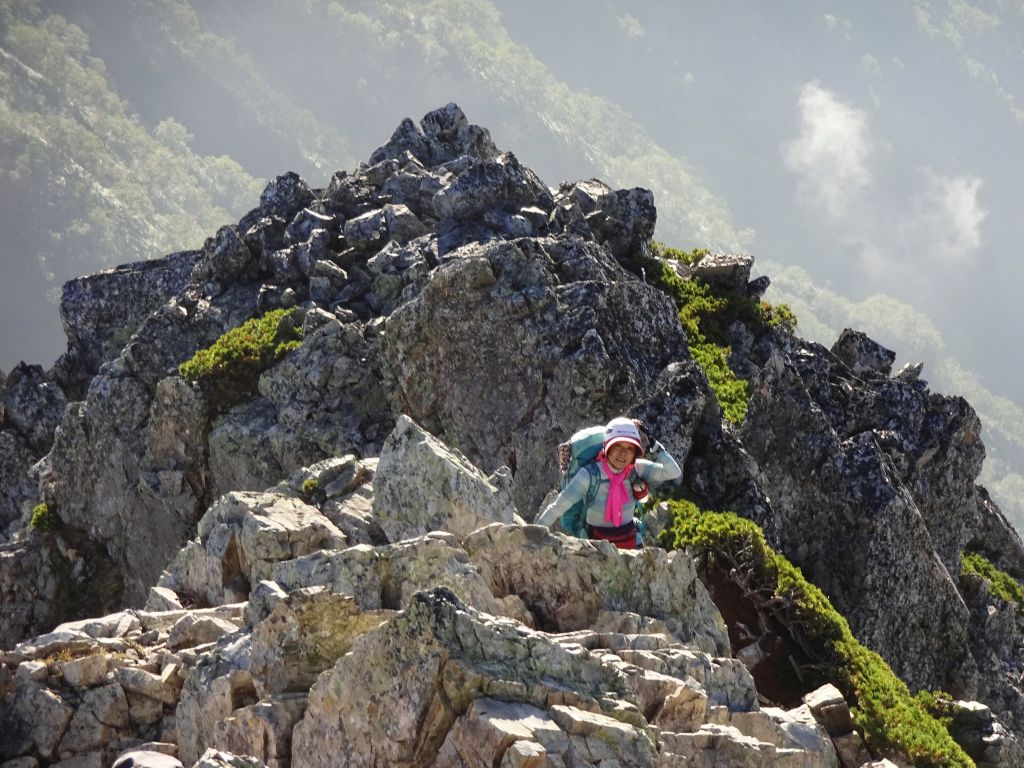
(862, 354)
(624, 221)
(561, 315)
(220, 684)
(302, 636)
(423, 486)
(101, 311)
(328, 394)
(387, 577)
(419, 688)
(442, 136)
(499, 184)
(17, 492)
(32, 404)
(285, 196)
(845, 514)
(239, 539)
(125, 468)
(565, 582)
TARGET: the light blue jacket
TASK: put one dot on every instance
(660, 468)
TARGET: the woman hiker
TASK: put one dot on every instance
(622, 478)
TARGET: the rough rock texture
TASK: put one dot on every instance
(426, 486)
(726, 272)
(444, 280)
(19, 492)
(566, 582)
(101, 311)
(850, 521)
(560, 314)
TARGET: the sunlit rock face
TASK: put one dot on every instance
(333, 565)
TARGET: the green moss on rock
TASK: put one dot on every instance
(43, 519)
(706, 316)
(891, 720)
(1002, 585)
(228, 370)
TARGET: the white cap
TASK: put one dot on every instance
(622, 430)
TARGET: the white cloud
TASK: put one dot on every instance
(871, 66)
(947, 218)
(832, 23)
(831, 152)
(632, 27)
(962, 21)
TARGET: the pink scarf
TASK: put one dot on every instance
(617, 493)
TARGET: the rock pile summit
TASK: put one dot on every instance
(317, 552)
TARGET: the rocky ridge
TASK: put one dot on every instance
(356, 523)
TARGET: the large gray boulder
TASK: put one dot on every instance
(441, 683)
(425, 486)
(127, 468)
(101, 311)
(239, 539)
(583, 338)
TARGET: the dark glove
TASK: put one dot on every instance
(647, 438)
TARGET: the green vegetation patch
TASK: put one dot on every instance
(229, 369)
(1002, 585)
(43, 518)
(891, 720)
(706, 316)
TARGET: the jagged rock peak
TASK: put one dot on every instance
(256, 542)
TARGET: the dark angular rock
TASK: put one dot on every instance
(32, 404)
(17, 491)
(305, 222)
(406, 138)
(285, 196)
(756, 288)
(226, 258)
(502, 183)
(367, 231)
(863, 355)
(350, 196)
(265, 237)
(846, 516)
(100, 312)
(628, 220)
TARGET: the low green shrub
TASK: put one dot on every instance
(892, 721)
(228, 370)
(1002, 585)
(43, 519)
(706, 316)
(310, 486)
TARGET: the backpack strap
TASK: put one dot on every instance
(595, 485)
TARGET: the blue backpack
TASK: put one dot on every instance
(581, 452)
